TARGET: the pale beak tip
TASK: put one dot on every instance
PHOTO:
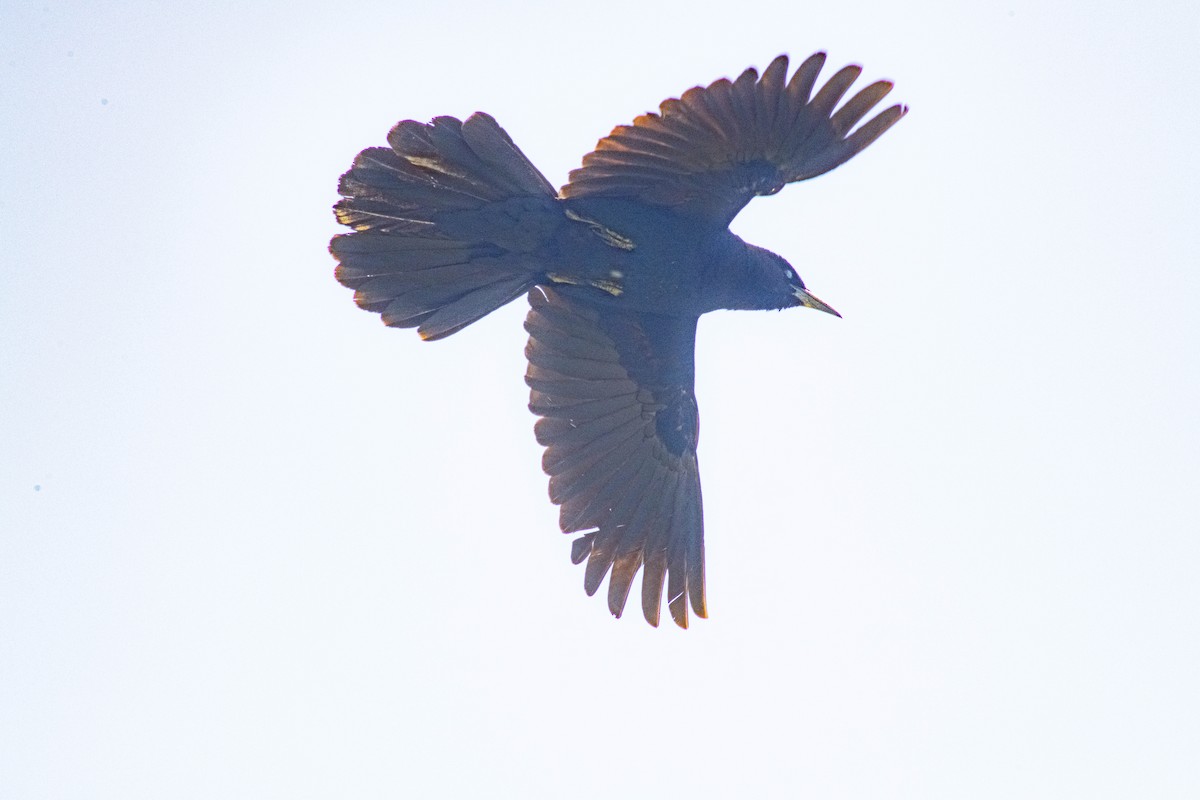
(809, 300)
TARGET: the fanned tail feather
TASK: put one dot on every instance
(446, 220)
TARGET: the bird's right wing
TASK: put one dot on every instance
(712, 150)
(620, 426)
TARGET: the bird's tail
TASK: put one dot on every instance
(447, 222)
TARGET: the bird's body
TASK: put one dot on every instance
(452, 221)
(649, 261)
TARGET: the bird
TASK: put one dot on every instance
(451, 221)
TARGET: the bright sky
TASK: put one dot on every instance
(255, 544)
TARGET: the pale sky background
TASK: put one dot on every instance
(253, 544)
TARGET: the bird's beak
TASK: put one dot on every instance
(809, 300)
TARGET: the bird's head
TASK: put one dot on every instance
(775, 278)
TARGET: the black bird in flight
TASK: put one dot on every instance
(452, 221)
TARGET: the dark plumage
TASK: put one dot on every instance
(452, 221)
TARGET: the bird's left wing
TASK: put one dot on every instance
(620, 426)
(713, 149)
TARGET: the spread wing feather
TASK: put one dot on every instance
(714, 148)
(620, 426)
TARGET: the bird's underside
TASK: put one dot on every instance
(452, 221)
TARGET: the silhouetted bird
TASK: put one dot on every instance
(452, 221)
